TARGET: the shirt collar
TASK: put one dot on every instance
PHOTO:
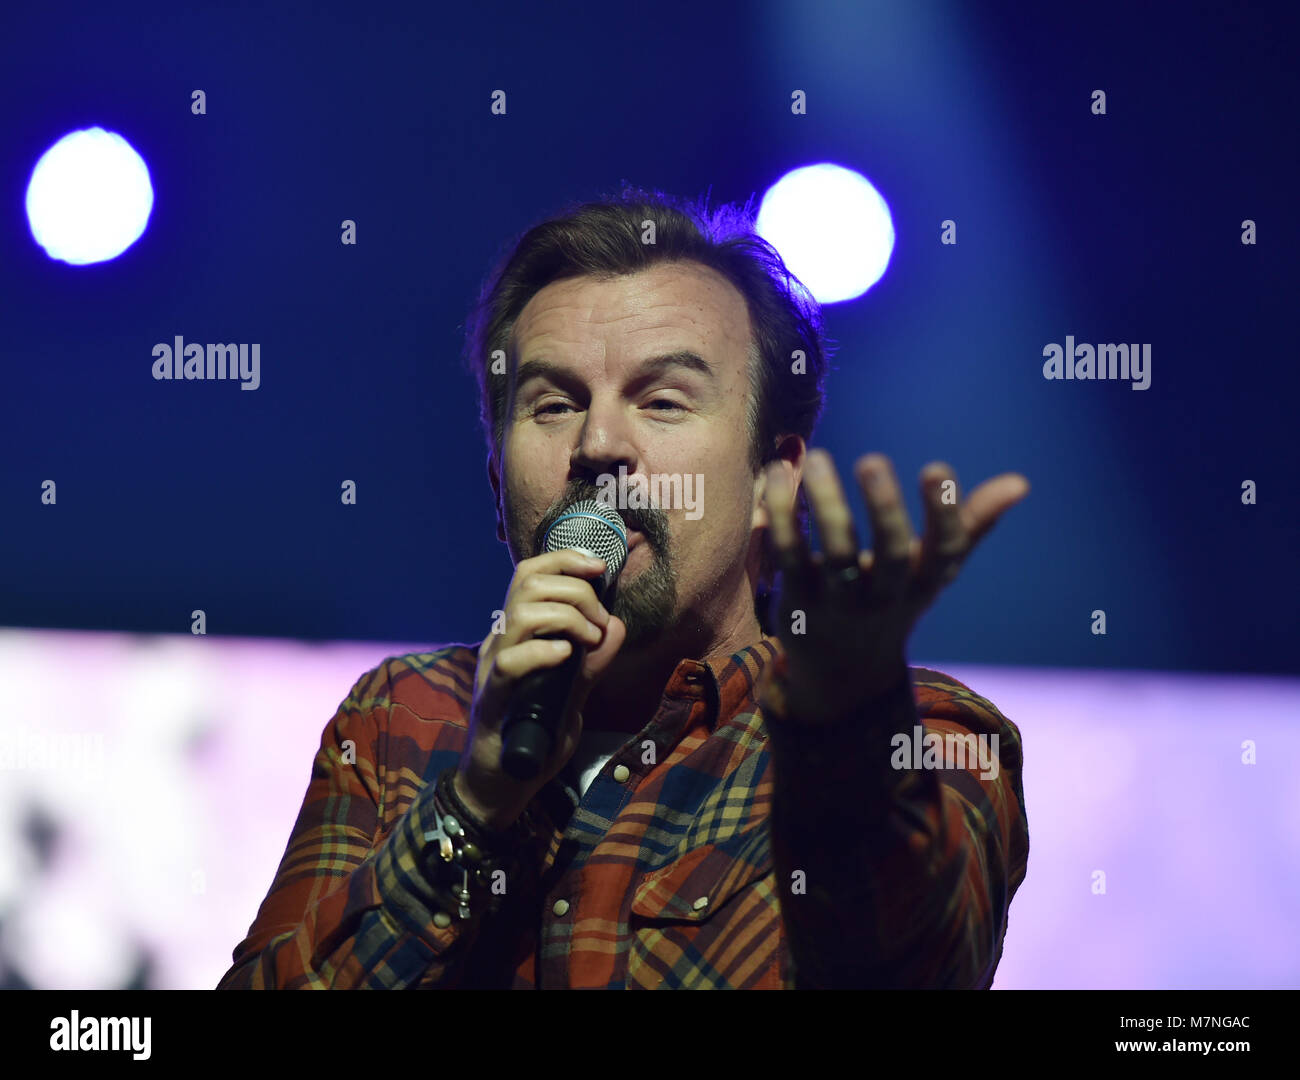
(731, 685)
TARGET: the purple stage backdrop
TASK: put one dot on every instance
(150, 783)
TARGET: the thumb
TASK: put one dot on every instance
(598, 659)
(594, 665)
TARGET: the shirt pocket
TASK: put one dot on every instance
(708, 918)
(714, 872)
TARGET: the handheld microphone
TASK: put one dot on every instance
(533, 718)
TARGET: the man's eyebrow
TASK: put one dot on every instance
(682, 358)
(655, 365)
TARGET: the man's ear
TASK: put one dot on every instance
(494, 478)
(791, 451)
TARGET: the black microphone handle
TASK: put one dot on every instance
(537, 708)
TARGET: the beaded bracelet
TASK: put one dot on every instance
(467, 851)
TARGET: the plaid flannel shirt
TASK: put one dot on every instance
(724, 846)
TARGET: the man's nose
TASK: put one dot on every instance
(605, 441)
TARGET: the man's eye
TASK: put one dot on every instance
(666, 401)
(552, 405)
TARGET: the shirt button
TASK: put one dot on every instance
(701, 903)
(621, 773)
(442, 919)
(561, 907)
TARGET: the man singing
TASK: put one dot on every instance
(732, 802)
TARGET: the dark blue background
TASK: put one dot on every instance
(183, 495)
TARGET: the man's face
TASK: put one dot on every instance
(592, 394)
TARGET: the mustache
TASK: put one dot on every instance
(650, 522)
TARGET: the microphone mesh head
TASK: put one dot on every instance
(594, 527)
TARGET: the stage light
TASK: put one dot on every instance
(832, 228)
(89, 197)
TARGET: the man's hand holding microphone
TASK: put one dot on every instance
(551, 611)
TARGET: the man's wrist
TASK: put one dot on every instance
(834, 703)
(487, 817)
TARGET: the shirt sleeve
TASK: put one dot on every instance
(349, 909)
(894, 877)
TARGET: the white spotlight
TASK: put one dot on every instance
(832, 228)
(89, 197)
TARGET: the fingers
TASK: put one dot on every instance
(889, 564)
(788, 544)
(894, 545)
(990, 501)
(839, 539)
(547, 596)
(515, 661)
(549, 619)
(900, 565)
(499, 673)
(564, 576)
(947, 541)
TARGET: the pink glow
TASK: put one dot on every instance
(168, 843)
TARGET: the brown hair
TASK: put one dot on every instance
(607, 238)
